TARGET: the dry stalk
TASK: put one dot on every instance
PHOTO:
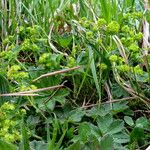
(51, 44)
(128, 88)
(121, 48)
(108, 93)
(18, 94)
(43, 89)
(56, 72)
(146, 34)
(113, 101)
(31, 92)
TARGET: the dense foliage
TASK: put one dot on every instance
(74, 74)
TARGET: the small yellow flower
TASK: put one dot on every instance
(123, 68)
(113, 27)
(103, 66)
(7, 106)
(134, 47)
(101, 22)
(113, 58)
(89, 35)
(9, 137)
(23, 111)
(33, 87)
(138, 70)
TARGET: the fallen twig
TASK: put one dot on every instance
(31, 92)
(113, 101)
(56, 72)
(18, 94)
(43, 89)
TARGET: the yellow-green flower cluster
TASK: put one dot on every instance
(123, 68)
(9, 122)
(127, 40)
(134, 47)
(6, 55)
(137, 70)
(102, 66)
(137, 15)
(85, 22)
(117, 59)
(71, 62)
(126, 16)
(113, 58)
(45, 59)
(51, 61)
(30, 38)
(30, 31)
(134, 36)
(100, 25)
(138, 36)
(94, 26)
(14, 72)
(133, 15)
(82, 20)
(27, 87)
(101, 22)
(9, 39)
(28, 46)
(113, 27)
(125, 29)
(99, 41)
(8, 106)
(89, 35)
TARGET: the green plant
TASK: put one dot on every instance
(79, 69)
(10, 122)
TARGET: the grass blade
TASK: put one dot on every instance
(93, 69)
(25, 138)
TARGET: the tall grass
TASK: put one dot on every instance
(15, 13)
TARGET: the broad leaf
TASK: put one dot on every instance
(119, 107)
(129, 120)
(106, 143)
(118, 146)
(104, 122)
(117, 91)
(116, 126)
(50, 105)
(84, 131)
(137, 135)
(76, 115)
(144, 123)
(32, 121)
(64, 41)
(121, 137)
(99, 111)
(95, 131)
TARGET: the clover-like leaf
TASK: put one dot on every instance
(129, 120)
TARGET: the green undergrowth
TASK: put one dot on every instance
(104, 102)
